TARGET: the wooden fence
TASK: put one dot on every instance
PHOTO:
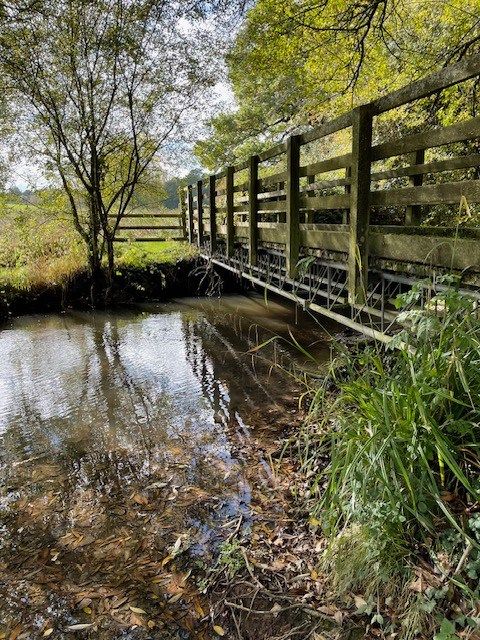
(324, 206)
(148, 226)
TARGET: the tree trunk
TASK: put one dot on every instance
(94, 258)
(110, 263)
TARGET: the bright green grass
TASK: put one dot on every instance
(145, 254)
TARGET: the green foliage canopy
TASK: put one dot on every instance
(300, 62)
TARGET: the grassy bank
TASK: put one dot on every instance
(370, 526)
(391, 453)
(43, 262)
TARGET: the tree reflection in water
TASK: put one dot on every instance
(121, 435)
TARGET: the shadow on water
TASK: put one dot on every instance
(123, 439)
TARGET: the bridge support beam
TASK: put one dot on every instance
(293, 204)
(253, 210)
(359, 203)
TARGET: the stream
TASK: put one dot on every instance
(129, 443)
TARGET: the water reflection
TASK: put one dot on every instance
(120, 434)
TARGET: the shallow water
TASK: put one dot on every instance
(122, 453)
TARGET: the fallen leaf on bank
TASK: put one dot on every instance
(198, 608)
(79, 627)
(175, 598)
(136, 609)
(140, 499)
(150, 624)
(47, 632)
(219, 630)
(15, 632)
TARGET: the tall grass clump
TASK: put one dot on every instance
(399, 497)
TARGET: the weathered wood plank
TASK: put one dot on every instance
(190, 213)
(430, 250)
(447, 77)
(176, 239)
(200, 212)
(272, 206)
(276, 235)
(471, 233)
(137, 227)
(447, 193)
(330, 164)
(293, 205)
(338, 201)
(330, 240)
(324, 184)
(212, 221)
(467, 130)
(148, 215)
(342, 122)
(230, 210)
(451, 164)
(273, 179)
(413, 212)
(277, 150)
(253, 209)
(359, 204)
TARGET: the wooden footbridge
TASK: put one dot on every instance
(340, 220)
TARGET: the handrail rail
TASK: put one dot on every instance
(294, 202)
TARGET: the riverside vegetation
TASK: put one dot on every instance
(383, 534)
(44, 263)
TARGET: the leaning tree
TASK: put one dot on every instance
(100, 86)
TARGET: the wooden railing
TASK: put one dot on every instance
(324, 207)
(149, 226)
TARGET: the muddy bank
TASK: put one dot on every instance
(155, 282)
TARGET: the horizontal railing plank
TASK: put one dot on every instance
(176, 239)
(277, 150)
(448, 253)
(325, 184)
(147, 228)
(326, 129)
(338, 201)
(448, 193)
(331, 164)
(148, 215)
(273, 179)
(450, 164)
(272, 206)
(447, 77)
(440, 232)
(329, 240)
(459, 132)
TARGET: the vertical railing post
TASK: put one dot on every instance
(359, 203)
(309, 215)
(348, 175)
(213, 213)
(190, 213)
(253, 210)
(200, 213)
(182, 206)
(293, 204)
(229, 204)
(414, 211)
